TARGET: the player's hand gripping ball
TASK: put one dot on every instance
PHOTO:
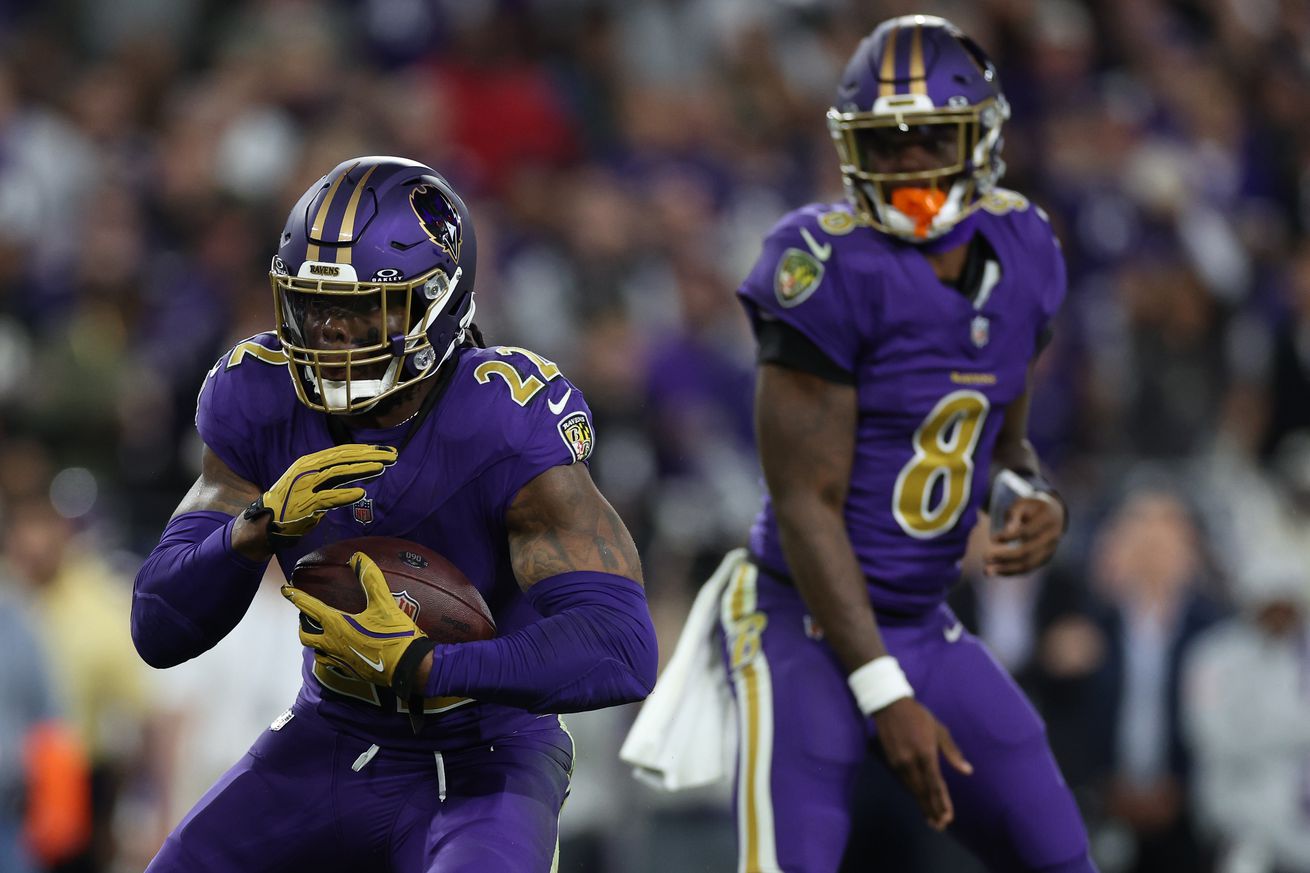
(375, 606)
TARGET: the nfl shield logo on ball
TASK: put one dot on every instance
(980, 331)
(363, 510)
(407, 604)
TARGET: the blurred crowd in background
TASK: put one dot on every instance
(622, 161)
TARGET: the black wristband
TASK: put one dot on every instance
(276, 541)
(407, 667)
(256, 509)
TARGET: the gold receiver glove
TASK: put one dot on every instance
(312, 485)
(381, 644)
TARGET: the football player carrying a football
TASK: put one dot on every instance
(896, 338)
(373, 409)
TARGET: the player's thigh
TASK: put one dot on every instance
(272, 811)
(801, 737)
(494, 807)
(1015, 811)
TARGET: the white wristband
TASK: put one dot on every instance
(879, 683)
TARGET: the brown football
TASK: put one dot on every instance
(440, 599)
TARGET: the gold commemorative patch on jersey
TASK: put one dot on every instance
(1003, 200)
(798, 275)
(575, 430)
(837, 223)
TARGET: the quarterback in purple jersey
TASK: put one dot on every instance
(373, 409)
(897, 333)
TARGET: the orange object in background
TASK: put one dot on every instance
(919, 204)
(58, 818)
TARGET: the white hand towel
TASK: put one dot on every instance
(686, 734)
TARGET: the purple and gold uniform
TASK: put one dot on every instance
(934, 371)
(494, 776)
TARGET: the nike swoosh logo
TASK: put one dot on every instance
(953, 632)
(557, 408)
(376, 665)
(822, 252)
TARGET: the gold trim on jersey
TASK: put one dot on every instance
(255, 350)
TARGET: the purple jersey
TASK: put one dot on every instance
(507, 416)
(934, 373)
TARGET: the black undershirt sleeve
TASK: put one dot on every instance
(782, 344)
(1044, 339)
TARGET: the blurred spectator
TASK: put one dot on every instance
(1042, 630)
(1151, 570)
(1288, 352)
(80, 603)
(44, 783)
(627, 158)
(206, 714)
(1246, 706)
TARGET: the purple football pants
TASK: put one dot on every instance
(803, 740)
(296, 802)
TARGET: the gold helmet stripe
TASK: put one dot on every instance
(918, 79)
(347, 233)
(887, 73)
(320, 217)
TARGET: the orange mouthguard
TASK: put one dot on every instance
(920, 204)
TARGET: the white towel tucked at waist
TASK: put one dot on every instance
(686, 735)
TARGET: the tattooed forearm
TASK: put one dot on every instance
(217, 490)
(560, 523)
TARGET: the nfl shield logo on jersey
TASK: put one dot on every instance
(363, 510)
(980, 330)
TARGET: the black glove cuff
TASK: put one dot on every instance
(402, 680)
(256, 509)
(276, 541)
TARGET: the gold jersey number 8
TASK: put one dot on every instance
(942, 463)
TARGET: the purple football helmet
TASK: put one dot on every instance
(918, 81)
(372, 282)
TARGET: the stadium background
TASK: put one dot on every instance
(622, 161)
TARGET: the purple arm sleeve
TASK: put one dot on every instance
(192, 590)
(595, 648)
